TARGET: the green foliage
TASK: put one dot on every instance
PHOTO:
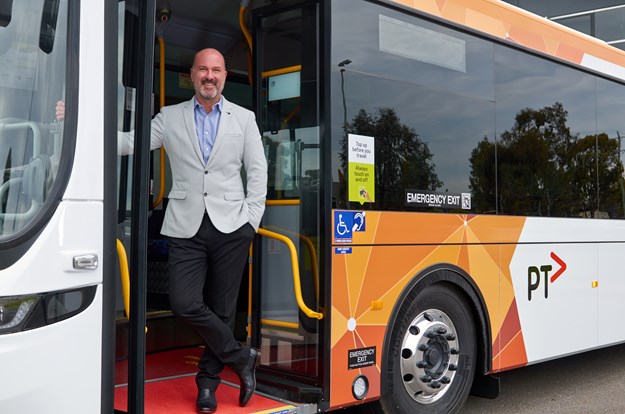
(542, 169)
(402, 160)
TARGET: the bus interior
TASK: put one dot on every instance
(271, 51)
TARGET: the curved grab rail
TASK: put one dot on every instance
(123, 269)
(17, 123)
(27, 215)
(248, 38)
(313, 253)
(297, 285)
(243, 26)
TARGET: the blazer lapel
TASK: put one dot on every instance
(189, 121)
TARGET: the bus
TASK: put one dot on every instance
(445, 201)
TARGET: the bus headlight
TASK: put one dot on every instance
(14, 312)
(23, 313)
(360, 387)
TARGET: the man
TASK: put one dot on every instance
(211, 217)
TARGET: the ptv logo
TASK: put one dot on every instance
(534, 274)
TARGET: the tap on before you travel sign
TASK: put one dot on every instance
(361, 168)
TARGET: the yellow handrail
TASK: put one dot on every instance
(281, 71)
(246, 33)
(292, 202)
(297, 284)
(313, 254)
(311, 249)
(161, 72)
(248, 39)
(123, 269)
(280, 324)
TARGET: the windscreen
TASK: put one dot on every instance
(33, 37)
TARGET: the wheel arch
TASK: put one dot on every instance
(451, 275)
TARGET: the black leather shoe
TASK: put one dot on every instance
(247, 376)
(206, 401)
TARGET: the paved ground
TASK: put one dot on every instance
(589, 383)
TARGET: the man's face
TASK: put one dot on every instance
(208, 75)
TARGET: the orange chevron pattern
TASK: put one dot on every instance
(502, 20)
(394, 248)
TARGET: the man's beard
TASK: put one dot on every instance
(207, 95)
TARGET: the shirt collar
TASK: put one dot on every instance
(216, 106)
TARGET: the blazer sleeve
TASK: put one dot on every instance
(126, 140)
(255, 165)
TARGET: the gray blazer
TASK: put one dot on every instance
(217, 187)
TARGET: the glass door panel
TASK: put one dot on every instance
(289, 120)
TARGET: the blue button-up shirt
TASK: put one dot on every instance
(206, 124)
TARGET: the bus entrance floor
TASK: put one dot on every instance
(170, 387)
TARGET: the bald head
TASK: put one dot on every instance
(208, 75)
(209, 52)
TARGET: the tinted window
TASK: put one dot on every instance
(548, 147)
(514, 133)
(388, 44)
(611, 131)
(32, 79)
(543, 110)
(426, 109)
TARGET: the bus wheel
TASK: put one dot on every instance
(431, 360)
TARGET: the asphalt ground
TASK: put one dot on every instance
(588, 383)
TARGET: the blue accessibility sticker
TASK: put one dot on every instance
(346, 223)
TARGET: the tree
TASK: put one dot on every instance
(596, 174)
(402, 160)
(482, 180)
(543, 169)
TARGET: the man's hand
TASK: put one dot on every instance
(60, 110)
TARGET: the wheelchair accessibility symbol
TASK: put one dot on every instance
(346, 223)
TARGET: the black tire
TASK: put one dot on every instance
(432, 353)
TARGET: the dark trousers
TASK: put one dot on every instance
(205, 275)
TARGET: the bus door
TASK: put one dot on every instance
(287, 329)
(287, 281)
(51, 209)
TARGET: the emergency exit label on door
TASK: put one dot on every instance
(361, 357)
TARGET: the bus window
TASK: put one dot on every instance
(32, 80)
(425, 110)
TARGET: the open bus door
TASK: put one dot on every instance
(52, 254)
(287, 282)
(280, 302)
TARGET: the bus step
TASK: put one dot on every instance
(286, 389)
(164, 332)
